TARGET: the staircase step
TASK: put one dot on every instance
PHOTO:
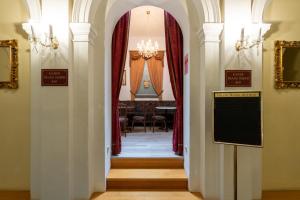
(147, 163)
(147, 179)
(147, 195)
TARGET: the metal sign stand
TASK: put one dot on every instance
(235, 172)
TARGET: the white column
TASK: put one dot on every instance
(238, 15)
(35, 153)
(50, 133)
(88, 138)
(209, 81)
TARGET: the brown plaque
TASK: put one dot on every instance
(54, 77)
(237, 78)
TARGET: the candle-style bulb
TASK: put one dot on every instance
(50, 31)
(242, 34)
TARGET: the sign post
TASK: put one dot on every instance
(237, 121)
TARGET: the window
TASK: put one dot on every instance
(146, 89)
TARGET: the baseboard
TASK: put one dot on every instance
(281, 195)
(14, 195)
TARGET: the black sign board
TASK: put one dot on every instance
(237, 118)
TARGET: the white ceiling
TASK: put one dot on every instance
(142, 25)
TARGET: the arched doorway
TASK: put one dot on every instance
(107, 15)
(161, 97)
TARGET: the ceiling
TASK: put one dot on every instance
(142, 25)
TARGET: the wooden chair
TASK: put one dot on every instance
(140, 116)
(123, 118)
(158, 118)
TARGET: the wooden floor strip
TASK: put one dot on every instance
(281, 195)
(144, 195)
(153, 195)
(14, 195)
(147, 174)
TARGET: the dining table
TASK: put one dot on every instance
(167, 110)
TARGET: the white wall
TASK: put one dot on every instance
(125, 90)
(15, 106)
(155, 31)
(281, 160)
(238, 15)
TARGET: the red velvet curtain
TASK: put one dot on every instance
(174, 50)
(118, 58)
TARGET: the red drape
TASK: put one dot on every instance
(119, 51)
(174, 50)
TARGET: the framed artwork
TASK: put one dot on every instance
(124, 77)
(287, 69)
(9, 64)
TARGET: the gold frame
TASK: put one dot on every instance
(13, 59)
(278, 50)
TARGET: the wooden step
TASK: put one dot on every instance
(147, 163)
(147, 195)
(147, 179)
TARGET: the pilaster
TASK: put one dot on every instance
(83, 32)
(83, 110)
(209, 37)
(210, 32)
(50, 138)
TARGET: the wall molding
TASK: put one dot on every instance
(210, 32)
(83, 32)
(258, 8)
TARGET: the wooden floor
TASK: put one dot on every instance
(147, 173)
(155, 195)
(13, 195)
(281, 195)
(147, 196)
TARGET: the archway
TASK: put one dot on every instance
(148, 98)
(190, 17)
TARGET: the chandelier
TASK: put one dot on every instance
(149, 48)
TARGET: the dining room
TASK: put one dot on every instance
(147, 107)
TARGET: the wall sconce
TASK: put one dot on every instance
(42, 34)
(251, 36)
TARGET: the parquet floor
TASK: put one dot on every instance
(155, 195)
(151, 195)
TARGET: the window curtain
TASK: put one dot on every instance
(119, 52)
(174, 51)
(136, 72)
(155, 68)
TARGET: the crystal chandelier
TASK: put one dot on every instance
(147, 49)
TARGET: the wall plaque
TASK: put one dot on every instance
(54, 77)
(237, 78)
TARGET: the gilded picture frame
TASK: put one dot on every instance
(286, 63)
(10, 68)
